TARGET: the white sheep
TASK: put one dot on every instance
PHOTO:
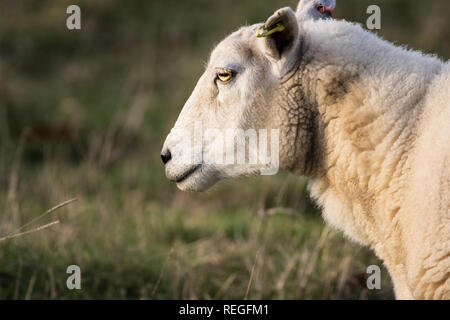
(365, 120)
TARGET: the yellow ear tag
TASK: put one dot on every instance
(261, 32)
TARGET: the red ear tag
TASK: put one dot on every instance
(329, 10)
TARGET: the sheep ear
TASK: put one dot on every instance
(279, 35)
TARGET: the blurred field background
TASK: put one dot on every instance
(83, 114)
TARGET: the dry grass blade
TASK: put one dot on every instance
(45, 226)
(251, 275)
(161, 273)
(65, 203)
(16, 233)
(12, 203)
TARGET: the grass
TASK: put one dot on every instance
(193, 246)
(84, 114)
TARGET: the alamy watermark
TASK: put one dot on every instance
(374, 20)
(73, 22)
(74, 280)
(374, 280)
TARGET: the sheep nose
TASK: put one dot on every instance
(166, 156)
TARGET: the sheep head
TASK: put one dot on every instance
(237, 99)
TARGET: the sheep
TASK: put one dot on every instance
(366, 121)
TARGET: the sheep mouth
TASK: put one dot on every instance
(187, 174)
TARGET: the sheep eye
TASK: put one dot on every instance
(224, 75)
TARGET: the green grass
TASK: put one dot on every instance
(98, 104)
(135, 242)
(168, 255)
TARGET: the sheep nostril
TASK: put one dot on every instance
(166, 156)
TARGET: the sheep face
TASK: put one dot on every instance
(231, 124)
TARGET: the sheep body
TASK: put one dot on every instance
(387, 182)
(426, 210)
